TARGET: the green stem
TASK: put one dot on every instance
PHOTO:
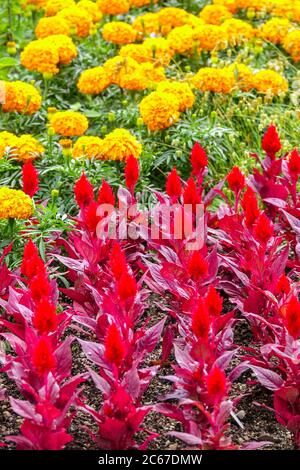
(10, 20)
(11, 227)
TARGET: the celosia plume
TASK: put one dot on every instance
(236, 180)
(173, 185)
(45, 317)
(294, 164)
(197, 266)
(30, 179)
(106, 195)
(292, 317)
(214, 302)
(114, 347)
(43, 358)
(127, 288)
(117, 261)
(201, 321)
(83, 191)
(40, 287)
(191, 194)
(199, 159)
(32, 263)
(270, 142)
(216, 384)
(131, 173)
(250, 205)
(263, 229)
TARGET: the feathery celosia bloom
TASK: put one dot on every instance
(106, 195)
(119, 32)
(236, 179)
(271, 142)
(115, 350)
(26, 148)
(40, 287)
(173, 185)
(181, 90)
(78, 18)
(181, 39)
(45, 317)
(114, 7)
(43, 358)
(199, 159)
(170, 18)
(275, 30)
(92, 8)
(147, 24)
(21, 97)
(294, 164)
(91, 217)
(200, 321)
(215, 14)
(69, 123)
(83, 191)
(93, 81)
(283, 285)
(210, 37)
(291, 44)
(127, 288)
(118, 66)
(269, 81)
(237, 31)
(292, 317)
(15, 204)
(216, 384)
(30, 179)
(214, 302)
(54, 6)
(215, 80)
(197, 266)
(263, 229)
(131, 173)
(159, 110)
(119, 145)
(250, 206)
(87, 147)
(191, 194)
(159, 49)
(117, 261)
(32, 263)
(52, 25)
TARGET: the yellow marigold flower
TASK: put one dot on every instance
(114, 7)
(92, 8)
(134, 81)
(159, 49)
(7, 139)
(69, 123)
(181, 39)
(231, 5)
(243, 75)
(40, 56)
(238, 31)
(141, 3)
(296, 12)
(215, 80)
(119, 145)
(26, 148)
(215, 14)
(15, 204)
(153, 73)
(180, 90)
(269, 81)
(65, 47)
(291, 44)
(159, 110)
(275, 30)
(194, 21)
(170, 18)
(118, 66)
(79, 19)
(138, 52)
(88, 147)
(52, 25)
(54, 6)
(2, 149)
(147, 24)
(119, 32)
(210, 37)
(21, 97)
(66, 143)
(37, 3)
(283, 8)
(93, 81)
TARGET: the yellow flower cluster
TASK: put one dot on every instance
(68, 123)
(92, 8)
(215, 14)
(237, 31)
(215, 80)
(15, 204)
(119, 145)
(119, 32)
(159, 110)
(269, 81)
(275, 30)
(114, 7)
(52, 25)
(22, 148)
(54, 6)
(182, 91)
(79, 19)
(45, 55)
(20, 97)
(210, 37)
(87, 147)
(182, 39)
(291, 44)
(93, 81)
(141, 3)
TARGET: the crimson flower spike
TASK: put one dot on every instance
(270, 142)
(30, 179)
(83, 191)
(173, 185)
(131, 173)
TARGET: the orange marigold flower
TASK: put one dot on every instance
(69, 123)
(215, 80)
(52, 25)
(147, 24)
(54, 6)
(269, 81)
(215, 14)
(210, 37)
(119, 32)
(119, 145)
(21, 97)
(117, 66)
(88, 147)
(159, 110)
(79, 19)
(92, 8)
(93, 81)
(275, 30)
(15, 204)
(114, 7)
(26, 148)
(181, 90)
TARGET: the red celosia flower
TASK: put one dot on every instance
(84, 191)
(291, 313)
(45, 317)
(40, 287)
(43, 358)
(214, 302)
(294, 164)
(263, 229)
(199, 159)
(32, 264)
(197, 266)
(117, 261)
(131, 173)
(236, 179)
(106, 195)
(216, 384)
(127, 287)
(200, 321)
(90, 217)
(250, 205)
(271, 143)
(283, 285)
(114, 346)
(191, 195)
(173, 185)
(30, 179)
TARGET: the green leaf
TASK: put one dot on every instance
(8, 62)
